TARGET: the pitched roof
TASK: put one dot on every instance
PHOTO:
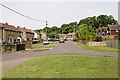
(24, 29)
(36, 32)
(104, 28)
(114, 27)
(9, 27)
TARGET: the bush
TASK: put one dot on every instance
(98, 38)
(117, 38)
(40, 40)
(108, 38)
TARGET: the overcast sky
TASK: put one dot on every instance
(56, 13)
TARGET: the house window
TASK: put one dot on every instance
(12, 32)
(9, 32)
(116, 30)
(22, 33)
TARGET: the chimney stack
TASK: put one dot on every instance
(6, 23)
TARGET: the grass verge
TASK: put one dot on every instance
(56, 42)
(67, 66)
(36, 45)
(101, 48)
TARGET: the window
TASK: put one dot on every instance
(12, 32)
(22, 33)
(116, 30)
(9, 32)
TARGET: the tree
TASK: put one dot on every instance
(53, 35)
(46, 29)
(85, 32)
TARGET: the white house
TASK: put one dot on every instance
(36, 35)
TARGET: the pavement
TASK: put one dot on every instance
(68, 48)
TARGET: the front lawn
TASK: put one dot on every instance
(36, 45)
(67, 66)
(56, 42)
(102, 48)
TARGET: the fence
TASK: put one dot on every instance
(97, 43)
(113, 43)
(83, 41)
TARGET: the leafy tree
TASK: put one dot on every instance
(85, 32)
(46, 29)
(53, 35)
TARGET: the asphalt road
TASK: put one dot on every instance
(67, 48)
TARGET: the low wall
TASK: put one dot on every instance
(27, 44)
(113, 43)
(13, 47)
(97, 43)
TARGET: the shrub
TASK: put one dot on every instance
(108, 38)
(40, 40)
(98, 38)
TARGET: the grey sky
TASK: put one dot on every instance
(56, 13)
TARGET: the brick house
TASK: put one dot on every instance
(27, 35)
(109, 31)
(1, 34)
(10, 33)
(113, 30)
(43, 35)
(66, 36)
(37, 35)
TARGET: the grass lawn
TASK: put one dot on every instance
(67, 66)
(56, 42)
(102, 48)
(36, 45)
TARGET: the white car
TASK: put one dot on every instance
(45, 42)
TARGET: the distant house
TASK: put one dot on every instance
(27, 35)
(1, 34)
(10, 33)
(37, 35)
(109, 31)
(66, 36)
(43, 35)
(113, 30)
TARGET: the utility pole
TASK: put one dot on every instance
(46, 26)
(46, 29)
(74, 27)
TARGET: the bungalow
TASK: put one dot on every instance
(10, 33)
(27, 35)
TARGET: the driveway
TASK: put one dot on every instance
(67, 48)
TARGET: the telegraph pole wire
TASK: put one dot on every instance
(20, 13)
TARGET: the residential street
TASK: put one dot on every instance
(67, 48)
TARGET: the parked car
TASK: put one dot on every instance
(45, 42)
(65, 39)
(61, 41)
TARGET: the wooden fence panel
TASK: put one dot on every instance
(97, 43)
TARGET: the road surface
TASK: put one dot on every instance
(67, 48)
